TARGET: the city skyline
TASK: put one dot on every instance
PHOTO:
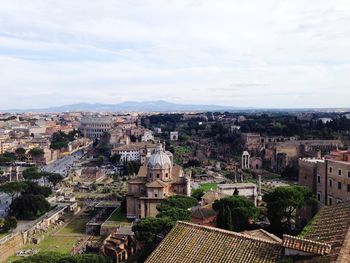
(269, 54)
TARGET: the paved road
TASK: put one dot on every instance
(63, 165)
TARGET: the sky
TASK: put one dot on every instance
(251, 53)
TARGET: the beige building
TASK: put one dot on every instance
(328, 178)
(157, 179)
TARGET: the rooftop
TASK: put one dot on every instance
(194, 243)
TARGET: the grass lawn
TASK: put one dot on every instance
(76, 226)
(207, 186)
(118, 216)
(62, 244)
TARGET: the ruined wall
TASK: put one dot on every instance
(8, 248)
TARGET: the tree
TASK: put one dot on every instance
(234, 212)
(283, 202)
(36, 152)
(20, 153)
(28, 207)
(147, 229)
(32, 173)
(198, 193)
(115, 158)
(60, 140)
(177, 201)
(55, 178)
(176, 214)
(8, 223)
(54, 257)
(132, 167)
(13, 188)
(32, 188)
(290, 172)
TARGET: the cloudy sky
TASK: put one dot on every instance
(271, 53)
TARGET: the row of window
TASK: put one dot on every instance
(330, 199)
(330, 184)
(340, 171)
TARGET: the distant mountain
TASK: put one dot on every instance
(131, 106)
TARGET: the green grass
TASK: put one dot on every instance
(118, 216)
(61, 244)
(76, 226)
(208, 186)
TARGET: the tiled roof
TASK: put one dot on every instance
(211, 196)
(138, 180)
(262, 234)
(203, 212)
(331, 225)
(156, 184)
(305, 245)
(192, 243)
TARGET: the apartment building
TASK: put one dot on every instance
(328, 178)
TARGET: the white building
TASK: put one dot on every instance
(174, 136)
(128, 153)
(248, 190)
(147, 136)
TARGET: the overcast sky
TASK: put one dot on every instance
(271, 53)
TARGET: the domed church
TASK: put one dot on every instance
(156, 180)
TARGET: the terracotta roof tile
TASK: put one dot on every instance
(200, 244)
(306, 245)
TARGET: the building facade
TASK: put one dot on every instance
(156, 180)
(95, 126)
(327, 178)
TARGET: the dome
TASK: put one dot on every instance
(159, 159)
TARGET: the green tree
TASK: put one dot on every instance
(8, 224)
(28, 207)
(147, 229)
(54, 178)
(283, 202)
(234, 212)
(198, 193)
(176, 214)
(21, 153)
(36, 152)
(115, 158)
(13, 188)
(59, 140)
(177, 201)
(32, 173)
(32, 188)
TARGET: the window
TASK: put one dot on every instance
(319, 197)
(348, 187)
(139, 206)
(339, 185)
(348, 174)
(155, 195)
(330, 182)
(330, 169)
(339, 171)
(318, 179)
(330, 199)
(166, 175)
(157, 175)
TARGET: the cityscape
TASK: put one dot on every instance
(174, 131)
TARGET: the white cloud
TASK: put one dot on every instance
(243, 53)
